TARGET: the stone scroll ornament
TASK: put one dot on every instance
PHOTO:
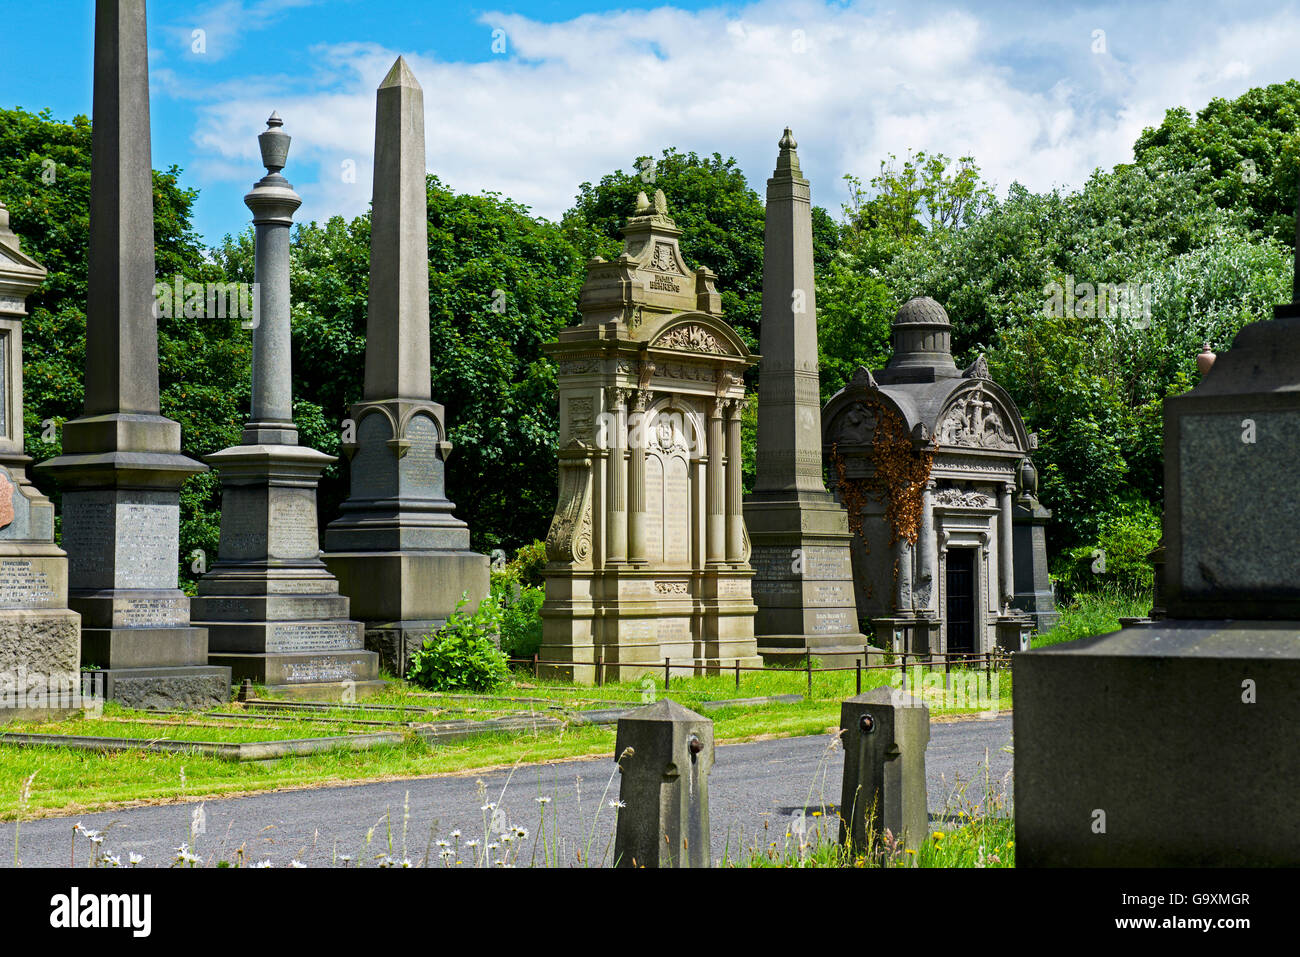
(569, 538)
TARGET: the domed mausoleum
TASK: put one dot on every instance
(926, 457)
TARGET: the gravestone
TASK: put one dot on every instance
(885, 733)
(40, 637)
(925, 456)
(803, 573)
(272, 609)
(647, 552)
(1172, 742)
(397, 550)
(121, 467)
(1034, 595)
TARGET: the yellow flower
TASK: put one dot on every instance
(938, 835)
(910, 851)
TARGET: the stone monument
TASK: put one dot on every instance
(803, 574)
(397, 550)
(1172, 742)
(926, 458)
(40, 638)
(272, 609)
(1033, 586)
(648, 553)
(121, 467)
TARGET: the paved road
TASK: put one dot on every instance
(752, 785)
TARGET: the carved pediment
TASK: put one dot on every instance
(974, 420)
(692, 338)
(979, 369)
(957, 498)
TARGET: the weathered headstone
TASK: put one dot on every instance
(648, 554)
(885, 733)
(272, 609)
(40, 637)
(803, 573)
(397, 550)
(1173, 742)
(121, 467)
(664, 753)
(925, 457)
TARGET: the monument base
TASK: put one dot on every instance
(397, 641)
(190, 688)
(1169, 744)
(409, 587)
(290, 668)
(40, 657)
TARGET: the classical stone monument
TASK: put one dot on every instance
(40, 637)
(1033, 586)
(273, 611)
(397, 550)
(926, 457)
(1172, 742)
(803, 575)
(648, 554)
(121, 467)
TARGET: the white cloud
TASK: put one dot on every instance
(572, 100)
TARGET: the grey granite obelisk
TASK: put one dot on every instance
(1173, 742)
(398, 551)
(803, 574)
(40, 637)
(121, 467)
(273, 611)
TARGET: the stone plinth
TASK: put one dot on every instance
(885, 734)
(1176, 737)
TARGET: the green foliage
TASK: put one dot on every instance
(462, 656)
(1096, 612)
(519, 590)
(1118, 559)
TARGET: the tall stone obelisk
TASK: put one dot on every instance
(803, 575)
(40, 637)
(121, 467)
(273, 611)
(398, 551)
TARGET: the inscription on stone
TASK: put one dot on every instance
(23, 585)
(677, 514)
(420, 466)
(293, 525)
(312, 636)
(121, 539)
(150, 612)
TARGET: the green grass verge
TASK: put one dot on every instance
(1094, 613)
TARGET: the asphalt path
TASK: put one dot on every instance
(755, 791)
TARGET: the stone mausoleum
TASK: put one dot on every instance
(648, 557)
(927, 459)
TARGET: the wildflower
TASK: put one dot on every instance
(471, 843)
(112, 860)
(817, 813)
(345, 858)
(266, 863)
(135, 858)
(521, 833)
(297, 863)
(616, 803)
(447, 854)
(910, 851)
(444, 844)
(185, 856)
(488, 807)
(938, 835)
(455, 835)
(494, 846)
(542, 800)
(507, 838)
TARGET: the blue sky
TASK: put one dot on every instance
(1038, 93)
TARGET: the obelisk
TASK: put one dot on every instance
(803, 575)
(40, 637)
(1172, 743)
(121, 467)
(398, 551)
(272, 609)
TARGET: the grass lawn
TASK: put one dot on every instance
(1094, 613)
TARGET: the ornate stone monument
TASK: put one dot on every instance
(40, 638)
(1172, 742)
(926, 458)
(397, 550)
(1034, 595)
(121, 467)
(272, 609)
(803, 575)
(648, 554)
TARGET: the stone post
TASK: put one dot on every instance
(121, 467)
(1006, 566)
(885, 734)
(638, 435)
(664, 753)
(716, 528)
(397, 549)
(735, 476)
(616, 477)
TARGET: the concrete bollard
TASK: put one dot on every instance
(885, 733)
(664, 753)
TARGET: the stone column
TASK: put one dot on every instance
(903, 583)
(638, 436)
(716, 528)
(926, 547)
(735, 468)
(1006, 567)
(616, 478)
(397, 548)
(121, 467)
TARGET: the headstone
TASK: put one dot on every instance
(40, 637)
(885, 733)
(664, 754)
(121, 467)
(397, 550)
(648, 553)
(925, 456)
(803, 572)
(1034, 595)
(272, 609)
(1172, 742)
